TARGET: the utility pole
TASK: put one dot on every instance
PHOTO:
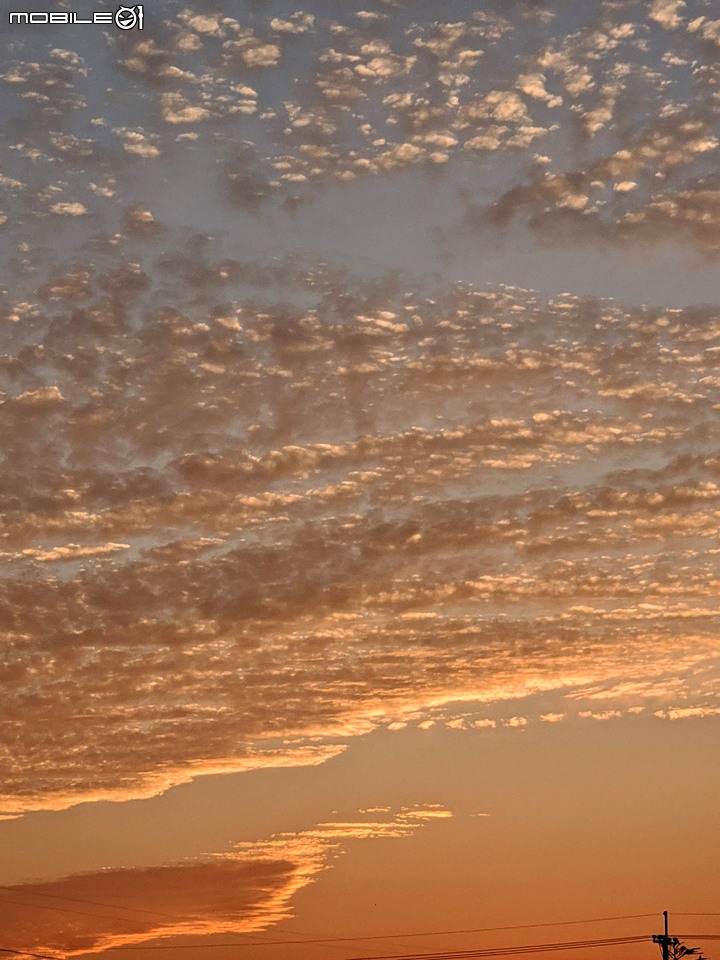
(671, 947)
(664, 938)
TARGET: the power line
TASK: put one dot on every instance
(699, 936)
(97, 916)
(265, 940)
(477, 952)
(26, 953)
(488, 952)
(508, 951)
(446, 933)
(94, 903)
(446, 955)
(80, 913)
(467, 954)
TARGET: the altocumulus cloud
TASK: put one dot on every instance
(253, 507)
(229, 535)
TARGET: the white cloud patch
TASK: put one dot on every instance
(69, 209)
(668, 13)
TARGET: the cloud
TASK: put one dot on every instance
(244, 891)
(44, 398)
(533, 85)
(137, 143)
(175, 109)
(139, 221)
(683, 713)
(65, 209)
(129, 907)
(667, 12)
(707, 29)
(257, 502)
(299, 22)
(73, 550)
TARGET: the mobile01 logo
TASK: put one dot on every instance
(125, 18)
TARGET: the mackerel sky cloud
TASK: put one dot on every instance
(358, 387)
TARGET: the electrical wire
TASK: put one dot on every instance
(269, 941)
(26, 953)
(79, 913)
(698, 936)
(516, 926)
(488, 952)
(94, 903)
(477, 952)
(95, 916)
(508, 951)
(447, 955)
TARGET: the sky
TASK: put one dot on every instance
(360, 494)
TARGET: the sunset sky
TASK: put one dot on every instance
(359, 392)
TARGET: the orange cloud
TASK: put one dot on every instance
(245, 891)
